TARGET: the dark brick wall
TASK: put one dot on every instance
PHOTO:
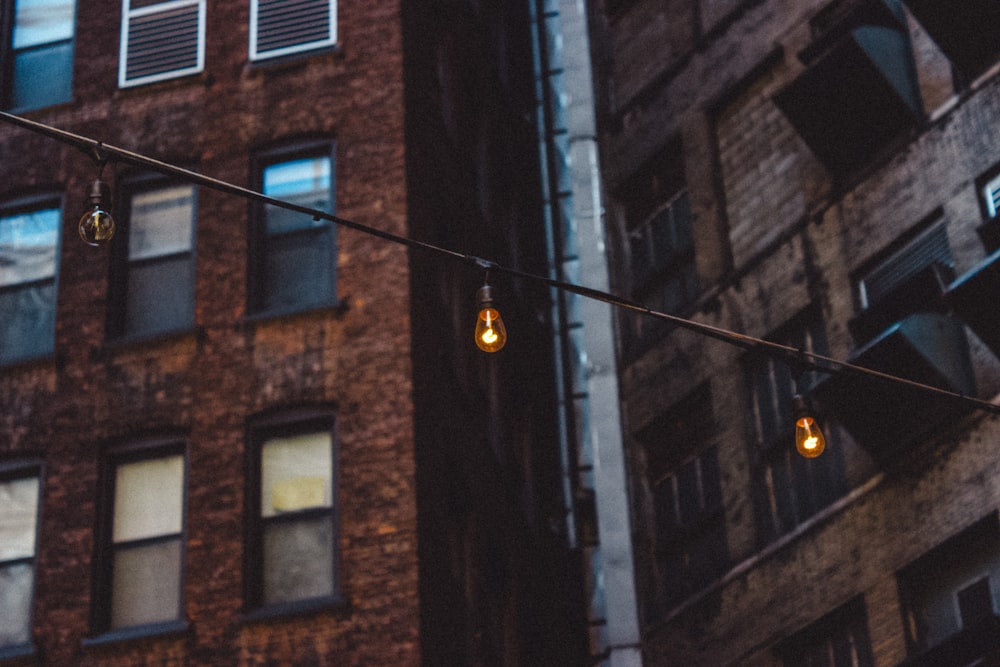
(206, 384)
(776, 233)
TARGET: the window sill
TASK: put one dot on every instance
(164, 629)
(337, 307)
(129, 340)
(17, 652)
(297, 608)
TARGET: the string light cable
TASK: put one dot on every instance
(791, 355)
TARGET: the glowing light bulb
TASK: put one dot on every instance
(491, 335)
(809, 440)
(97, 226)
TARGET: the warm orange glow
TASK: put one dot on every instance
(809, 440)
(490, 332)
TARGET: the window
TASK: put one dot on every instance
(19, 497)
(153, 273)
(687, 498)
(38, 63)
(292, 545)
(891, 273)
(143, 547)
(293, 255)
(660, 245)
(282, 27)
(161, 40)
(949, 597)
(839, 639)
(29, 242)
(789, 488)
(991, 196)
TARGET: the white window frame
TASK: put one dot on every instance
(256, 54)
(128, 14)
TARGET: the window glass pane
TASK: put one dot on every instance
(160, 222)
(43, 76)
(296, 473)
(16, 584)
(149, 308)
(306, 182)
(298, 560)
(299, 271)
(27, 322)
(146, 584)
(28, 246)
(42, 21)
(18, 517)
(149, 498)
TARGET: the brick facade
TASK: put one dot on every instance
(780, 232)
(204, 386)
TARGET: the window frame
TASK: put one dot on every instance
(122, 265)
(256, 55)
(258, 245)
(656, 209)
(124, 54)
(678, 447)
(102, 593)
(9, 54)
(260, 431)
(847, 623)
(788, 488)
(29, 204)
(14, 470)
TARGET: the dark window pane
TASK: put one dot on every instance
(43, 76)
(159, 296)
(688, 493)
(16, 584)
(299, 270)
(298, 560)
(27, 322)
(146, 584)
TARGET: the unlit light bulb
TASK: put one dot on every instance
(491, 335)
(97, 226)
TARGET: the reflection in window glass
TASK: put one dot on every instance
(42, 21)
(28, 256)
(294, 255)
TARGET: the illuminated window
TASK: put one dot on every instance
(141, 566)
(19, 497)
(292, 515)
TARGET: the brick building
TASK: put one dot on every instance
(821, 174)
(238, 435)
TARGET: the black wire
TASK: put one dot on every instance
(101, 152)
